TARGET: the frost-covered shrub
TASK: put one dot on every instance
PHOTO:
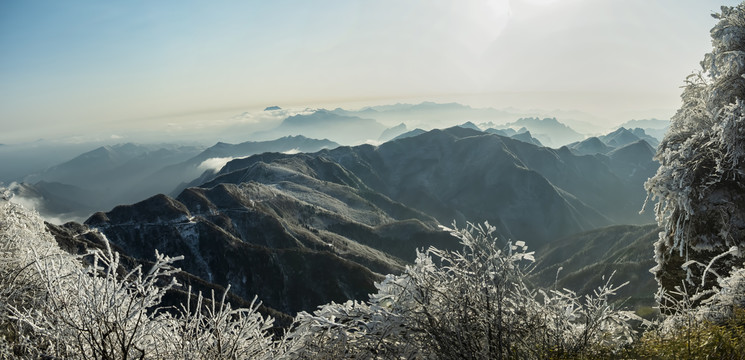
(54, 305)
(700, 184)
(23, 242)
(93, 312)
(219, 332)
(472, 303)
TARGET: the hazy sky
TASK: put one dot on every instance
(95, 66)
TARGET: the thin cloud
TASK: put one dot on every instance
(292, 151)
(214, 164)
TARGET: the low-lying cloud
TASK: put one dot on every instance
(268, 115)
(214, 164)
(16, 196)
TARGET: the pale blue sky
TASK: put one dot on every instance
(76, 66)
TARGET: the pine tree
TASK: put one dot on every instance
(700, 184)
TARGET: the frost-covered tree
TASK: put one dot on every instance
(465, 304)
(700, 185)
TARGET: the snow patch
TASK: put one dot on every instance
(190, 235)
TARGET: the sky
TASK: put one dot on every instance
(76, 67)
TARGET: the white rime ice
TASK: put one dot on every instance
(700, 185)
(473, 302)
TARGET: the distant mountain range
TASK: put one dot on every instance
(430, 115)
(300, 230)
(352, 127)
(652, 127)
(125, 173)
(18, 161)
(614, 140)
(384, 123)
(324, 124)
(522, 134)
(392, 132)
(108, 168)
(549, 131)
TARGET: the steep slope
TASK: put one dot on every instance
(586, 257)
(295, 241)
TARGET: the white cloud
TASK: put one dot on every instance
(26, 202)
(292, 151)
(268, 115)
(214, 164)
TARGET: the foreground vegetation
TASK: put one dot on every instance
(474, 303)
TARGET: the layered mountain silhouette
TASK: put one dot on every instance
(125, 173)
(430, 115)
(604, 144)
(623, 136)
(304, 229)
(111, 168)
(174, 178)
(410, 133)
(652, 127)
(549, 131)
(522, 134)
(325, 124)
(98, 179)
(392, 132)
(590, 146)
